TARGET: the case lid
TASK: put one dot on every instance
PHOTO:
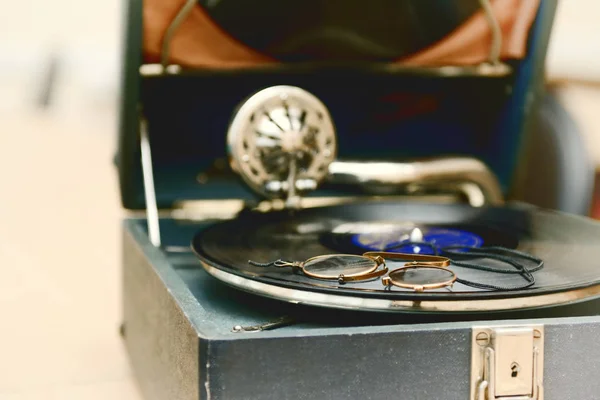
(380, 113)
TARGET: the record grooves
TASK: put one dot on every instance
(565, 243)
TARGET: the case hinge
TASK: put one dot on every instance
(507, 363)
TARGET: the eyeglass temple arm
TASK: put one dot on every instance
(420, 259)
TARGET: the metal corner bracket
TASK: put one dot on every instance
(507, 363)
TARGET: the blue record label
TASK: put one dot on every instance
(393, 241)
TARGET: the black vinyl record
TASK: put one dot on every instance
(567, 244)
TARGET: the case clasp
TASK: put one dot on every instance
(507, 363)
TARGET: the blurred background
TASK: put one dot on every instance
(59, 208)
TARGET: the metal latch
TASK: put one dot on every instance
(507, 363)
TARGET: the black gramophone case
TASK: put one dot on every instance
(188, 335)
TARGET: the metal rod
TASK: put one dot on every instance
(179, 18)
(485, 70)
(149, 190)
(496, 47)
(438, 171)
(292, 198)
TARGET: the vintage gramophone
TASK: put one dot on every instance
(246, 127)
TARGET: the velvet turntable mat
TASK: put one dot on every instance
(568, 245)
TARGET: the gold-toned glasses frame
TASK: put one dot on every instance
(389, 280)
(378, 258)
(371, 273)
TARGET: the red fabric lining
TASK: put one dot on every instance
(201, 43)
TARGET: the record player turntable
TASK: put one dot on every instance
(327, 211)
